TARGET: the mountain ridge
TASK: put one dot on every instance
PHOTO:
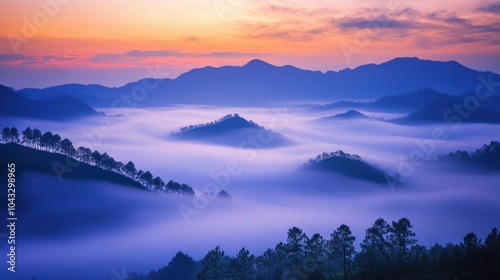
(258, 82)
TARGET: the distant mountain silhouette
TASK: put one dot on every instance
(350, 166)
(260, 83)
(349, 115)
(444, 110)
(395, 103)
(231, 130)
(28, 159)
(12, 104)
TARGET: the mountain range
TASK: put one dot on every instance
(260, 83)
(61, 108)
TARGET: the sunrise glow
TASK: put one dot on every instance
(112, 42)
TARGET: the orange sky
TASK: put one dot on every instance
(113, 42)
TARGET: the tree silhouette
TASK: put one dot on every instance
(97, 158)
(130, 169)
(181, 267)
(469, 260)
(28, 136)
(296, 242)
(55, 142)
(52, 142)
(158, 183)
(315, 254)
(14, 135)
(45, 140)
(37, 137)
(401, 236)
(244, 264)
(341, 247)
(213, 267)
(375, 253)
(266, 264)
(147, 178)
(67, 146)
(6, 134)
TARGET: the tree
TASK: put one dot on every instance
(130, 169)
(213, 267)
(37, 137)
(341, 246)
(45, 140)
(66, 146)
(374, 256)
(158, 183)
(471, 243)
(14, 135)
(181, 267)
(266, 264)
(55, 142)
(147, 178)
(97, 158)
(6, 134)
(28, 136)
(492, 249)
(401, 236)
(315, 255)
(280, 259)
(83, 153)
(245, 265)
(296, 242)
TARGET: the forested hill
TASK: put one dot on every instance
(48, 153)
(230, 130)
(30, 159)
(389, 250)
(349, 165)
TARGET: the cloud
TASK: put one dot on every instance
(423, 28)
(234, 54)
(133, 56)
(26, 59)
(493, 8)
(368, 23)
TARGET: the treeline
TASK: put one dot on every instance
(324, 156)
(53, 143)
(487, 155)
(388, 251)
(226, 117)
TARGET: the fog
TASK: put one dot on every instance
(68, 226)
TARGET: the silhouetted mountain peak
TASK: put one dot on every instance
(257, 63)
(351, 114)
(230, 130)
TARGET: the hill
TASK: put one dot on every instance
(28, 159)
(349, 115)
(488, 156)
(231, 130)
(350, 166)
(406, 102)
(454, 109)
(12, 104)
(260, 83)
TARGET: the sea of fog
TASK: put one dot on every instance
(94, 230)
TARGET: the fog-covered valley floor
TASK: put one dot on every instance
(74, 224)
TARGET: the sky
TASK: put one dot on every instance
(52, 42)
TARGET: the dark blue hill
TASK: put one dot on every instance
(231, 130)
(12, 104)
